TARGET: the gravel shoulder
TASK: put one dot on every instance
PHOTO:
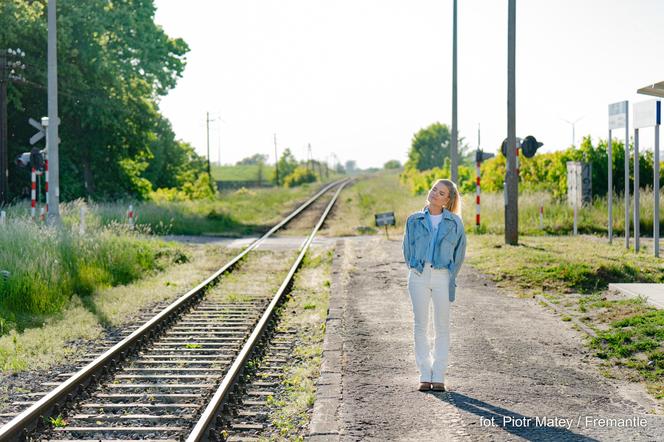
(516, 370)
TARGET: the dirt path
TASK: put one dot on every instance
(509, 358)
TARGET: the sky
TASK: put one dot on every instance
(357, 79)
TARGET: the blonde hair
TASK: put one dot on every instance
(454, 204)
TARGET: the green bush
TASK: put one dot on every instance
(194, 190)
(299, 176)
(392, 164)
(545, 172)
(419, 182)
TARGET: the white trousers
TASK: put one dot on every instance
(431, 285)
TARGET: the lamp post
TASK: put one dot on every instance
(276, 161)
(207, 143)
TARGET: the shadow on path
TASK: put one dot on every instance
(517, 424)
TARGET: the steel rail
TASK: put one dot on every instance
(28, 419)
(204, 426)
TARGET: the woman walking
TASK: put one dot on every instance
(434, 246)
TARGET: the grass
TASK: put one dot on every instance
(231, 213)
(358, 203)
(247, 172)
(558, 217)
(236, 297)
(306, 309)
(58, 422)
(634, 347)
(46, 266)
(62, 334)
(234, 213)
(541, 264)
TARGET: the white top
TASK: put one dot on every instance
(435, 220)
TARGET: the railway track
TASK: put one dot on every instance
(173, 377)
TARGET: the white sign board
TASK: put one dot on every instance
(647, 114)
(579, 183)
(617, 115)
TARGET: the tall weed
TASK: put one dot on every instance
(44, 266)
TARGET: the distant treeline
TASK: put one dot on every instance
(428, 159)
(254, 171)
(114, 63)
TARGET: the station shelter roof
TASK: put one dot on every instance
(656, 89)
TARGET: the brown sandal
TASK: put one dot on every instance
(438, 386)
(424, 386)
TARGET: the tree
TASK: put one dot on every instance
(287, 163)
(254, 159)
(172, 163)
(431, 145)
(392, 164)
(299, 176)
(114, 63)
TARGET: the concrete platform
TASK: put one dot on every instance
(654, 293)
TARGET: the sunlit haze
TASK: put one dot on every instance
(359, 78)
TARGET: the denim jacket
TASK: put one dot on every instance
(449, 248)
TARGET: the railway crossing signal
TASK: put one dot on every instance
(528, 146)
(503, 146)
(41, 131)
(482, 156)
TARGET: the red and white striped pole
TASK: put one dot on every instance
(33, 193)
(517, 161)
(46, 182)
(477, 194)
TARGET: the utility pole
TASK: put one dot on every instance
(4, 148)
(511, 179)
(207, 133)
(219, 142)
(454, 152)
(276, 162)
(309, 157)
(54, 121)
